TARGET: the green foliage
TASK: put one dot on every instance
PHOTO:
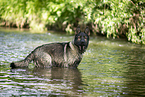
(117, 18)
(113, 18)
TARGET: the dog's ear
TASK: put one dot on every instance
(87, 31)
(78, 30)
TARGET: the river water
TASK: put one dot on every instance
(108, 68)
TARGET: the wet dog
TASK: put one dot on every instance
(65, 54)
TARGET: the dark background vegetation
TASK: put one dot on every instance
(111, 18)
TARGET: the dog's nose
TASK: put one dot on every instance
(83, 41)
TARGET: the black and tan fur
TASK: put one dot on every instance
(66, 54)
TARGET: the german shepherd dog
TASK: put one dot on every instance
(65, 54)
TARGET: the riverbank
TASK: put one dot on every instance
(116, 19)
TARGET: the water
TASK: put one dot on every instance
(108, 68)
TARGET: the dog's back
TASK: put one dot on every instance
(66, 54)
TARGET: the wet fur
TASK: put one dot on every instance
(66, 54)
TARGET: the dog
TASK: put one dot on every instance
(65, 54)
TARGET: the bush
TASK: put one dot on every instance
(118, 19)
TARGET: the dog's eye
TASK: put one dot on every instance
(85, 37)
(79, 36)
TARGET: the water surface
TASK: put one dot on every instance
(108, 68)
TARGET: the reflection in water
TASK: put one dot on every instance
(54, 81)
(61, 75)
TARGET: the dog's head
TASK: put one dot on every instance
(81, 39)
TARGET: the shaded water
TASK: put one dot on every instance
(109, 68)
